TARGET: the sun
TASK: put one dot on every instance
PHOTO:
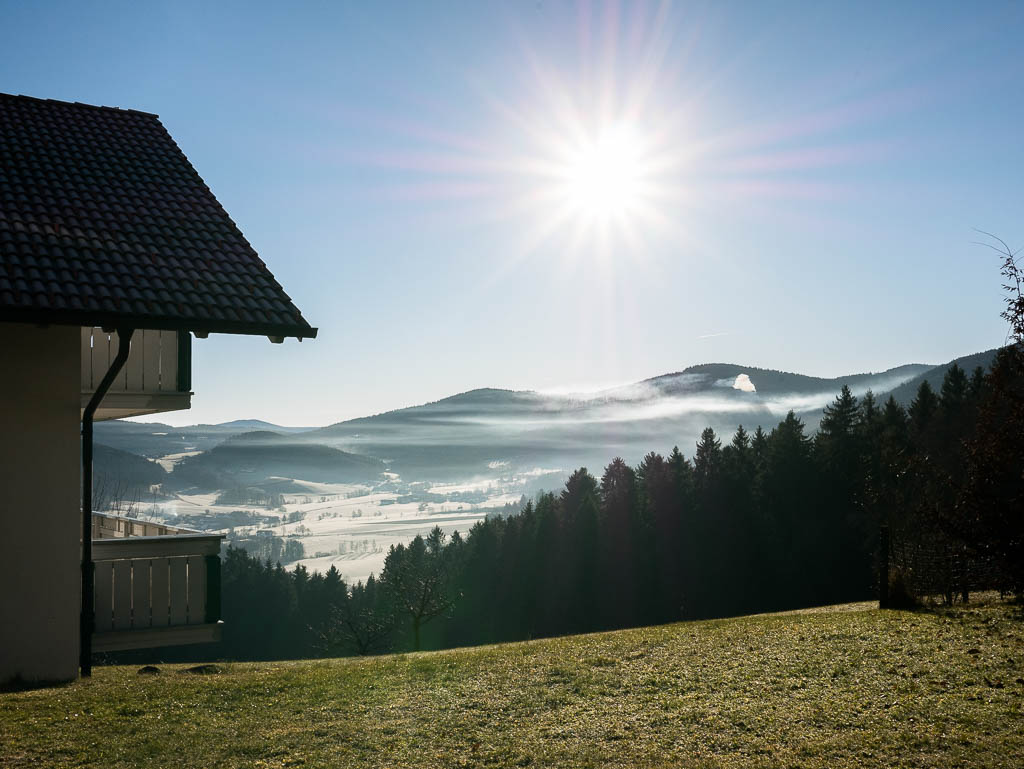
(596, 162)
(603, 177)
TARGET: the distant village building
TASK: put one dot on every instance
(113, 254)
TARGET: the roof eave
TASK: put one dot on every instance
(200, 326)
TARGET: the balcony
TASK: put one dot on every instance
(108, 526)
(154, 590)
(156, 377)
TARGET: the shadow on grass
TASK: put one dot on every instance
(19, 684)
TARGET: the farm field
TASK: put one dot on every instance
(348, 526)
(846, 686)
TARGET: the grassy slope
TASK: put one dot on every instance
(827, 689)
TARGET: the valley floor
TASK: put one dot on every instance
(852, 688)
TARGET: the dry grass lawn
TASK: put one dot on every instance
(851, 688)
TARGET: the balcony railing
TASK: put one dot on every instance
(156, 591)
(156, 377)
(108, 526)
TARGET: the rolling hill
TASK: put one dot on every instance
(123, 475)
(254, 458)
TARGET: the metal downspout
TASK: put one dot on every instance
(87, 621)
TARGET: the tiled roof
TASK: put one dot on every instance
(103, 221)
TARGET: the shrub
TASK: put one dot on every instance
(901, 592)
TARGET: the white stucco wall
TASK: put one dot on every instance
(40, 465)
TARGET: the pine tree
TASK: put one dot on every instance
(954, 389)
(894, 418)
(656, 525)
(789, 497)
(847, 537)
(542, 578)
(977, 384)
(619, 502)
(840, 416)
(921, 411)
(580, 486)
(870, 425)
(586, 612)
(869, 411)
(759, 450)
(707, 460)
(682, 478)
(888, 489)
(686, 544)
(741, 441)
(737, 558)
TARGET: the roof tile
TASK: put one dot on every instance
(104, 196)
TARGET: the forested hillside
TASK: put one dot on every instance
(905, 392)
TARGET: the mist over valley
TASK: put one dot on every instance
(342, 494)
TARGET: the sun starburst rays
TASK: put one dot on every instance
(612, 163)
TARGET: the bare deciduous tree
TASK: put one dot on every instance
(416, 577)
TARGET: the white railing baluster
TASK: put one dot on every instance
(122, 595)
(196, 590)
(140, 594)
(161, 606)
(151, 364)
(133, 366)
(103, 596)
(179, 591)
(100, 354)
(168, 361)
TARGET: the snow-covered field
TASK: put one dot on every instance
(170, 460)
(352, 527)
(355, 533)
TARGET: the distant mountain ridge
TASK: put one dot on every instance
(252, 424)
(470, 434)
(156, 439)
(464, 435)
(774, 382)
(697, 379)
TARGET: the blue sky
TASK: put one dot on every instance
(810, 178)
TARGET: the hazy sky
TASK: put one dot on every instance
(556, 195)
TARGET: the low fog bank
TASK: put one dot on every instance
(467, 435)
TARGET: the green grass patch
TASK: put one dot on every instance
(851, 688)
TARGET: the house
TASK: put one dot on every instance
(113, 255)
